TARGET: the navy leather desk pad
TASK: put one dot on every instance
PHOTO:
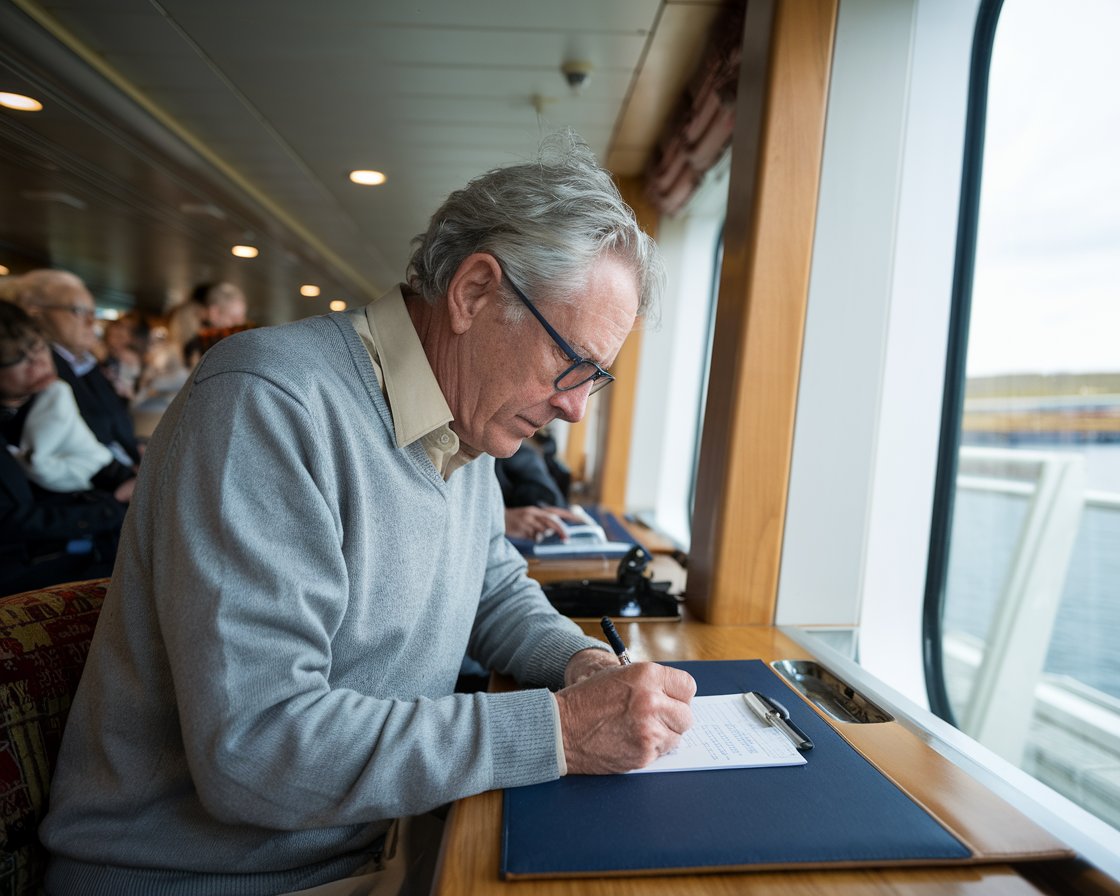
(838, 809)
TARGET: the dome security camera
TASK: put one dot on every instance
(576, 72)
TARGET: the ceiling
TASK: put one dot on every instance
(173, 129)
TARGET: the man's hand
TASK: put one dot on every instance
(537, 522)
(623, 717)
(587, 663)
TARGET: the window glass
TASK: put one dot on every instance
(705, 366)
(1031, 606)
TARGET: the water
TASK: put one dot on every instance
(1086, 640)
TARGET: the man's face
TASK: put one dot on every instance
(118, 339)
(505, 390)
(68, 316)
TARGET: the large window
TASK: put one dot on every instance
(672, 378)
(1023, 609)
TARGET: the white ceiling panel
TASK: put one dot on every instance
(267, 104)
(562, 15)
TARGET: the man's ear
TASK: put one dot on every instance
(475, 283)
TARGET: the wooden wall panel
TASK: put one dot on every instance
(746, 444)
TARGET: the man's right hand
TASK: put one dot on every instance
(624, 717)
(538, 522)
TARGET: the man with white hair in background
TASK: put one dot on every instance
(65, 309)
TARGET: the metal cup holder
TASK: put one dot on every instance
(834, 697)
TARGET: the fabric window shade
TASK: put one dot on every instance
(700, 129)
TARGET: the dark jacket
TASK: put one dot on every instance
(105, 412)
(525, 480)
(47, 538)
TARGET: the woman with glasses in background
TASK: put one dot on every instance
(54, 526)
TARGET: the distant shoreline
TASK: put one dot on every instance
(1044, 426)
(1044, 385)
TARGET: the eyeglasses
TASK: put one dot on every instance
(30, 350)
(83, 311)
(582, 370)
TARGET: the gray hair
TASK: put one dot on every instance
(547, 222)
(40, 286)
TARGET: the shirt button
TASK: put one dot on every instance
(444, 439)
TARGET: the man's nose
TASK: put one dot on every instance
(572, 403)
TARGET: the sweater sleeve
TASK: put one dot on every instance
(517, 631)
(251, 590)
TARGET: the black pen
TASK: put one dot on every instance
(615, 640)
(773, 713)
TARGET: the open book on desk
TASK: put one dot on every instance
(598, 534)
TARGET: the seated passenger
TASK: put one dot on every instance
(56, 449)
(534, 505)
(225, 304)
(121, 356)
(64, 308)
(226, 313)
(53, 527)
(47, 434)
(167, 365)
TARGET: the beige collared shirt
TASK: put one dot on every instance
(416, 403)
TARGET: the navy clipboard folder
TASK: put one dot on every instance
(837, 810)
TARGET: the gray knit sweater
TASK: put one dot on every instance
(271, 677)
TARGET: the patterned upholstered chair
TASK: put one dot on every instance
(44, 639)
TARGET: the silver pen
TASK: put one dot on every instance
(773, 713)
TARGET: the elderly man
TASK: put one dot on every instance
(316, 542)
(39, 526)
(65, 309)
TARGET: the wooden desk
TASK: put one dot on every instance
(662, 568)
(469, 860)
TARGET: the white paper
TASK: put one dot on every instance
(726, 734)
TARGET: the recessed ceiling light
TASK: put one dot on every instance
(309, 289)
(367, 178)
(338, 305)
(19, 102)
(245, 251)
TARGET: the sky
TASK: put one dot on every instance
(1046, 294)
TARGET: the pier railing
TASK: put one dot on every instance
(1056, 727)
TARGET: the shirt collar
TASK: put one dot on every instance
(416, 404)
(80, 364)
(415, 398)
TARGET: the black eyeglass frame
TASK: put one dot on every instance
(80, 311)
(29, 350)
(599, 379)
